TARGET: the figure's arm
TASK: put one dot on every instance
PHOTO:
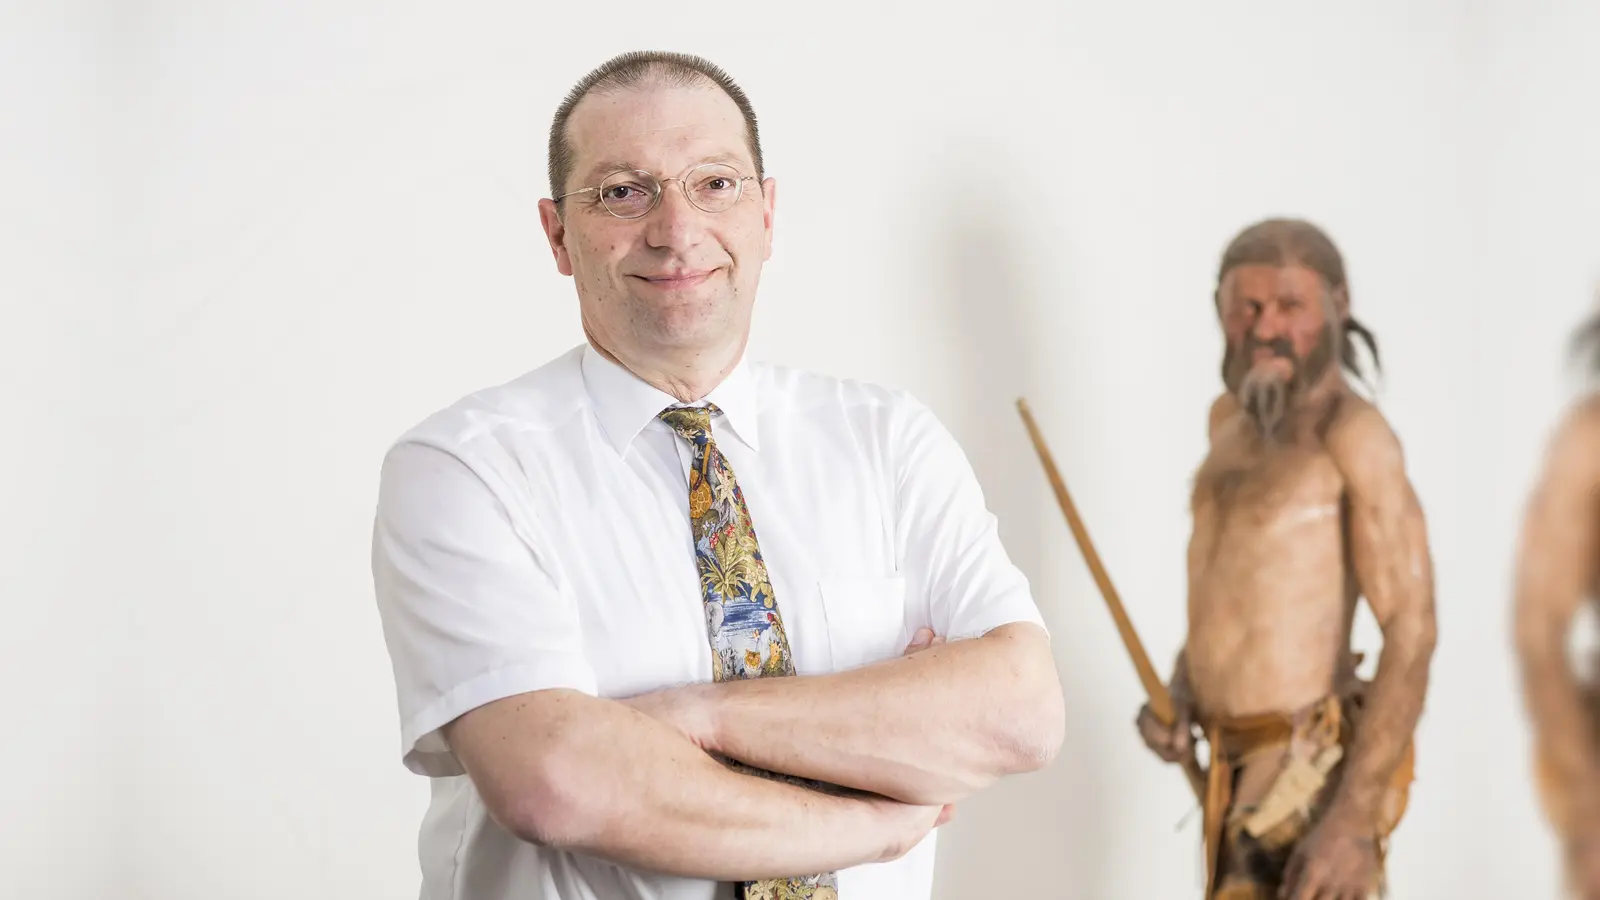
(1180, 689)
(1389, 549)
(1556, 570)
(494, 683)
(932, 727)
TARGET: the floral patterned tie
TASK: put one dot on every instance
(742, 620)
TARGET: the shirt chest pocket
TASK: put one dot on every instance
(866, 619)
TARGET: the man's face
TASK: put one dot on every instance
(679, 281)
(1277, 322)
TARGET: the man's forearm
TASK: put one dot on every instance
(596, 777)
(1388, 719)
(928, 728)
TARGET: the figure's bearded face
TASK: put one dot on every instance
(1282, 335)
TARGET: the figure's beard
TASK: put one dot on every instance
(1269, 399)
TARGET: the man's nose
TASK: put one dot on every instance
(675, 223)
(1268, 325)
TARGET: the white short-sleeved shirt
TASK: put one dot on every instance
(536, 535)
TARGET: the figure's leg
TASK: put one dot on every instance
(1248, 871)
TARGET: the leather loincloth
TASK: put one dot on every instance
(1270, 777)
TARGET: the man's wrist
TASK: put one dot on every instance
(1350, 810)
(702, 713)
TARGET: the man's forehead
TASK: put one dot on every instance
(1266, 278)
(656, 128)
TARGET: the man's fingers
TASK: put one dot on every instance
(935, 641)
(1292, 873)
(919, 641)
(1312, 884)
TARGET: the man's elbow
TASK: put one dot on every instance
(1409, 638)
(547, 807)
(1425, 639)
(1042, 742)
(1038, 724)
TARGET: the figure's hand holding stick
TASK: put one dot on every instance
(1160, 697)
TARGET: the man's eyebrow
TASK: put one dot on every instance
(600, 170)
(730, 158)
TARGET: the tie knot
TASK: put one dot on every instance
(693, 423)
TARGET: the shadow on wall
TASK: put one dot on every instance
(1037, 829)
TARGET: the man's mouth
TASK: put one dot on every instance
(676, 279)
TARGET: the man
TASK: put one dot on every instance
(1558, 567)
(649, 605)
(1301, 506)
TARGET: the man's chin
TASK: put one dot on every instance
(688, 329)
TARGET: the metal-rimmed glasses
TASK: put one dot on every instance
(632, 193)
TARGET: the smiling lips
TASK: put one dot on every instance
(684, 278)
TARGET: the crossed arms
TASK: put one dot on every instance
(632, 781)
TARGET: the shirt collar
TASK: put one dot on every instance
(624, 403)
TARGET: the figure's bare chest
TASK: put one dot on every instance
(1269, 594)
(1244, 486)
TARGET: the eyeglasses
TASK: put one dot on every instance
(631, 193)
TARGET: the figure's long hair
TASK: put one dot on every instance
(1283, 242)
(1585, 347)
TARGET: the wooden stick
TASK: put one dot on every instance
(1160, 697)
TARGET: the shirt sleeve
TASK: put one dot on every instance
(949, 540)
(469, 614)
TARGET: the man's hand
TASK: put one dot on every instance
(683, 708)
(686, 710)
(1170, 742)
(924, 639)
(1338, 860)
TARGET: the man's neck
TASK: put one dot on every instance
(687, 381)
(1310, 417)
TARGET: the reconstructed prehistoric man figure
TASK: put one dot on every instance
(1301, 507)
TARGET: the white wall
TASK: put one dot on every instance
(338, 235)
(62, 809)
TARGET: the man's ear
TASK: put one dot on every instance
(769, 201)
(1341, 303)
(556, 232)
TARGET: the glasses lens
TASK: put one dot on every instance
(629, 195)
(713, 187)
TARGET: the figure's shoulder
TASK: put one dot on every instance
(1574, 447)
(1361, 441)
(1581, 422)
(1224, 410)
(538, 400)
